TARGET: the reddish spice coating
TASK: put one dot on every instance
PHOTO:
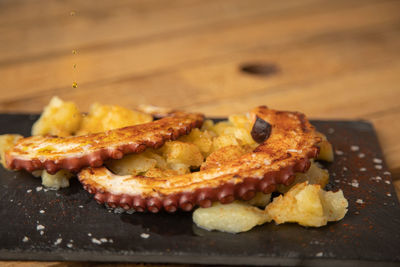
(241, 185)
(32, 154)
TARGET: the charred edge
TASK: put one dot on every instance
(97, 158)
(203, 197)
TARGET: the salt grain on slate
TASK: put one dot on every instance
(80, 206)
(377, 161)
(103, 240)
(339, 152)
(387, 173)
(359, 201)
(355, 148)
(363, 169)
(331, 131)
(29, 190)
(89, 234)
(361, 155)
(389, 195)
(39, 188)
(39, 227)
(319, 254)
(378, 167)
(354, 183)
(388, 182)
(144, 235)
(58, 241)
(41, 232)
(69, 245)
(96, 241)
(41, 211)
(25, 239)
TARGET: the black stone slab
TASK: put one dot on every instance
(369, 234)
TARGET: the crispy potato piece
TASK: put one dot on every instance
(178, 154)
(202, 139)
(223, 155)
(58, 118)
(308, 205)
(325, 149)
(7, 141)
(107, 117)
(232, 218)
(131, 164)
(56, 181)
(223, 141)
(314, 175)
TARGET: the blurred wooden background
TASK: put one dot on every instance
(328, 59)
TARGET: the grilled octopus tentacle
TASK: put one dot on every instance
(287, 150)
(76, 152)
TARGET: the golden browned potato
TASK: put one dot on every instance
(58, 118)
(308, 205)
(314, 175)
(325, 149)
(133, 164)
(202, 139)
(232, 218)
(7, 141)
(107, 117)
(179, 154)
(57, 180)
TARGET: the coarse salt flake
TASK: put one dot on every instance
(360, 201)
(361, 155)
(389, 195)
(378, 167)
(41, 211)
(387, 181)
(96, 241)
(319, 254)
(29, 190)
(355, 148)
(377, 161)
(58, 241)
(339, 152)
(363, 169)
(354, 183)
(39, 188)
(70, 245)
(40, 227)
(144, 235)
(25, 239)
(103, 240)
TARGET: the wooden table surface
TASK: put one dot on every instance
(329, 59)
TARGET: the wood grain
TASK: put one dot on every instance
(332, 59)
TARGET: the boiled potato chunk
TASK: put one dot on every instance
(232, 218)
(58, 118)
(133, 164)
(202, 139)
(325, 149)
(179, 154)
(314, 175)
(107, 117)
(308, 205)
(57, 180)
(7, 141)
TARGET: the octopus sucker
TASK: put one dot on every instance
(76, 152)
(286, 149)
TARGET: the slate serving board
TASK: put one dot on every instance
(76, 228)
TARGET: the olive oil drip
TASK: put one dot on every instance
(74, 83)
